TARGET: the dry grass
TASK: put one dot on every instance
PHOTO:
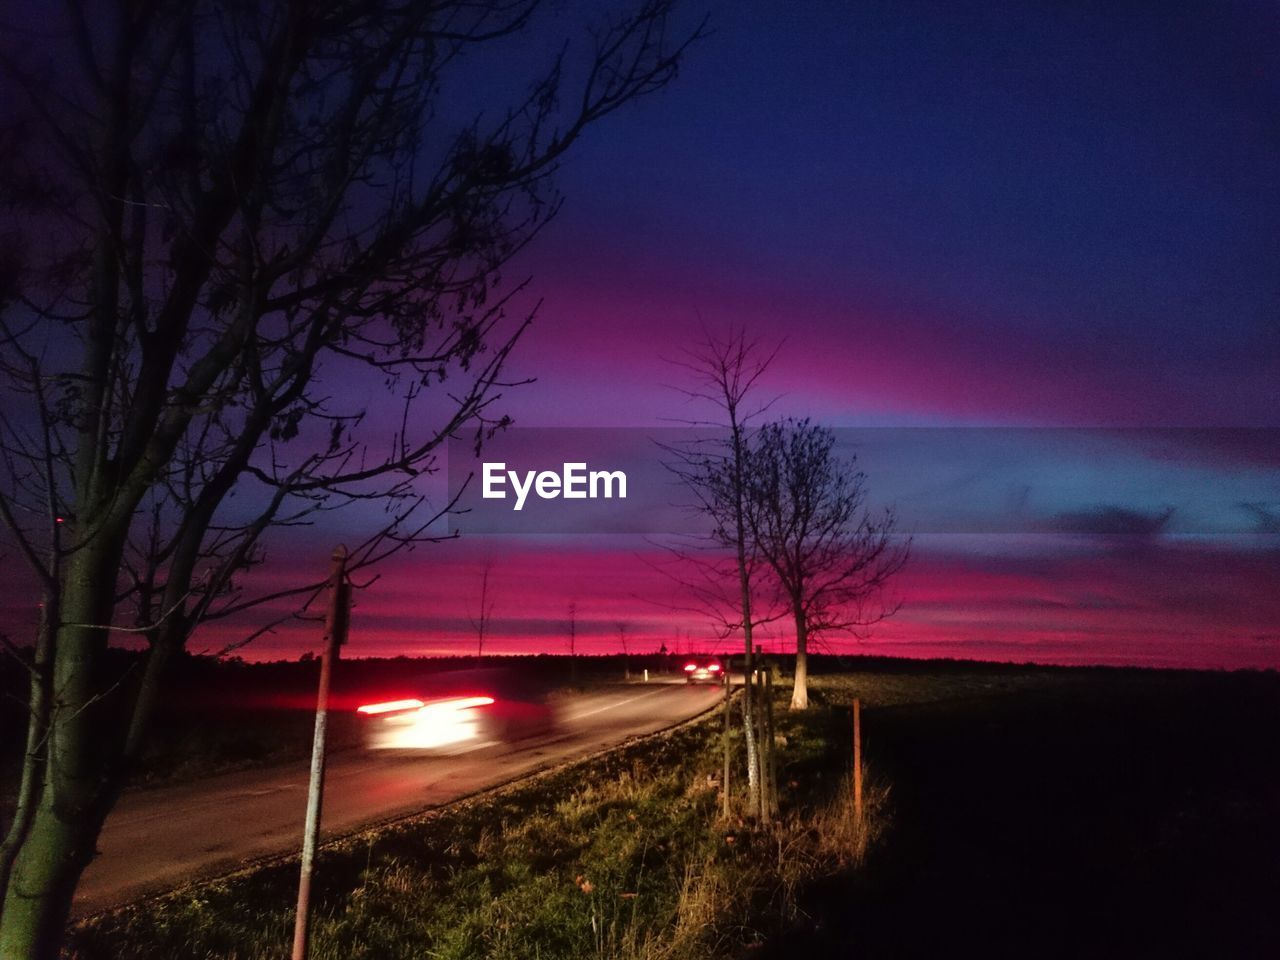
(619, 858)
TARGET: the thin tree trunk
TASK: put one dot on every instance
(749, 715)
(771, 749)
(800, 692)
(752, 742)
(744, 584)
(765, 744)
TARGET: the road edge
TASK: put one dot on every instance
(370, 830)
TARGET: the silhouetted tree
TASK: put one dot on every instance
(219, 215)
(807, 516)
(721, 572)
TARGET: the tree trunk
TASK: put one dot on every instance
(37, 905)
(37, 730)
(751, 742)
(765, 742)
(77, 791)
(800, 692)
(771, 751)
(744, 586)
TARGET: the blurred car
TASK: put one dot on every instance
(704, 670)
(460, 710)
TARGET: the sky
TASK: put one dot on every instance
(948, 215)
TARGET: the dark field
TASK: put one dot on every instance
(1075, 813)
(1032, 812)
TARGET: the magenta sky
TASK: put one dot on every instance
(954, 213)
(1055, 599)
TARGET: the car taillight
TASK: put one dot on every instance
(714, 668)
(690, 667)
(391, 706)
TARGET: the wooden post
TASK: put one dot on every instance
(857, 759)
(726, 803)
(335, 628)
(771, 788)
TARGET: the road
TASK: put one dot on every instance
(157, 839)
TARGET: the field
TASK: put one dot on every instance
(1016, 811)
(1062, 813)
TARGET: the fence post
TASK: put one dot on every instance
(335, 628)
(726, 803)
(772, 787)
(857, 759)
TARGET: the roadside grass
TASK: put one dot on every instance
(621, 856)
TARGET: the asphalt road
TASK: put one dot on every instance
(156, 839)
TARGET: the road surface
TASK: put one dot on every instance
(158, 838)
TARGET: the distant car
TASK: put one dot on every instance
(704, 670)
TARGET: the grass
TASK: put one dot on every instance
(1036, 811)
(623, 856)
(1041, 812)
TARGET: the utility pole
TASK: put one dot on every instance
(335, 630)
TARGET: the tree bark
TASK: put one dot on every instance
(771, 749)
(58, 847)
(800, 691)
(744, 584)
(751, 741)
(77, 789)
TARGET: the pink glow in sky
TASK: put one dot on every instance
(1066, 217)
(1062, 601)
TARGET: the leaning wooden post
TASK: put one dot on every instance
(726, 803)
(335, 630)
(857, 759)
(772, 787)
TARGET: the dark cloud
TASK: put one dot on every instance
(1266, 516)
(1235, 446)
(1110, 520)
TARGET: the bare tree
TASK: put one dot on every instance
(721, 572)
(807, 514)
(218, 216)
(480, 622)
